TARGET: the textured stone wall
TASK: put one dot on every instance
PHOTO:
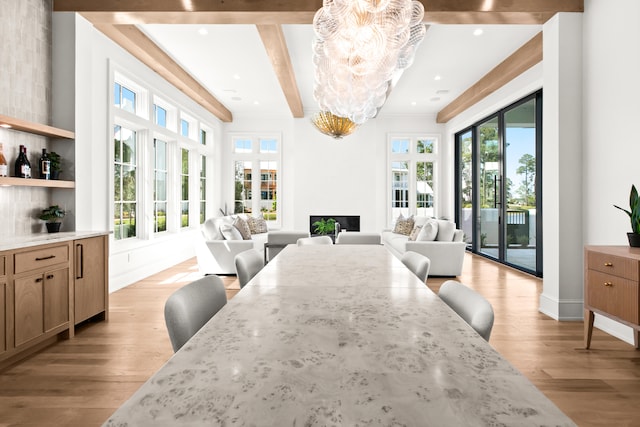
(25, 93)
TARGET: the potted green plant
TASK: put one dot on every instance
(53, 215)
(56, 164)
(324, 226)
(634, 216)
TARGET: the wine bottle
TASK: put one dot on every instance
(22, 166)
(45, 165)
(3, 163)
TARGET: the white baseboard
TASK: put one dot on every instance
(564, 310)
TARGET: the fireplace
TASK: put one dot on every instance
(347, 222)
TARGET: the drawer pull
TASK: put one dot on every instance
(46, 257)
(49, 276)
(608, 284)
(39, 279)
(608, 264)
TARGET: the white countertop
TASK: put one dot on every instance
(18, 242)
(337, 335)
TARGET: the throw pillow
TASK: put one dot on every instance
(403, 225)
(257, 225)
(229, 232)
(242, 227)
(415, 232)
(429, 232)
(446, 229)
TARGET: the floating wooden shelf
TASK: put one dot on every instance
(8, 181)
(37, 128)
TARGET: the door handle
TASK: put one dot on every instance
(79, 261)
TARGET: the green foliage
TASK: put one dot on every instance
(56, 162)
(324, 226)
(634, 212)
(52, 214)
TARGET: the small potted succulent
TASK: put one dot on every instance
(634, 216)
(52, 215)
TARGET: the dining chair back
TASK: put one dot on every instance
(418, 264)
(317, 240)
(248, 264)
(191, 306)
(469, 305)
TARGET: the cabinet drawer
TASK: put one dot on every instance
(40, 258)
(613, 295)
(612, 264)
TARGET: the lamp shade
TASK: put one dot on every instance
(332, 125)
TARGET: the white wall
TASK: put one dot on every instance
(610, 132)
(324, 176)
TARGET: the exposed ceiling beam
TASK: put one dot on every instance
(520, 61)
(302, 11)
(142, 47)
(276, 46)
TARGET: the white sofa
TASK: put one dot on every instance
(446, 252)
(215, 253)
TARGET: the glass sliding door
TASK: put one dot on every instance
(490, 177)
(498, 185)
(520, 159)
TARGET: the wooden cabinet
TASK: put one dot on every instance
(3, 304)
(612, 287)
(90, 278)
(46, 289)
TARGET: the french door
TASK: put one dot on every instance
(498, 185)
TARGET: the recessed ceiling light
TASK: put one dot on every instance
(236, 76)
(236, 98)
(203, 31)
(256, 103)
(414, 103)
(230, 90)
(442, 92)
(477, 32)
(437, 77)
(435, 98)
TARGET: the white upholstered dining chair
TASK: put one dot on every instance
(470, 305)
(417, 263)
(191, 306)
(248, 264)
(317, 240)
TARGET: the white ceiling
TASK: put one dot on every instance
(230, 60)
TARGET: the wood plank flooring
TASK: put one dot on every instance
(80, 382)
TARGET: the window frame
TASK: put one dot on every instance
(412, 157)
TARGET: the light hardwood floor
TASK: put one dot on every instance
(80, 382)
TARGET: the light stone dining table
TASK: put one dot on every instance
(337, 335)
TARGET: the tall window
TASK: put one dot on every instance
(184, 179)
(412, 175)
(203, 188)
(160, 186)
(184, 128)
(256, 181)
(125, 193)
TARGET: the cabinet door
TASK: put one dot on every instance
(3, 316)
(89, 278)
(56, 298)
(29, 308)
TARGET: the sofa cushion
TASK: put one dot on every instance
(446, 229)
(230, 232)
(242, 227)
(403, 225)
(257, 224)
(211, 227)
(428, 232)
(398, 242)
(415, 232)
